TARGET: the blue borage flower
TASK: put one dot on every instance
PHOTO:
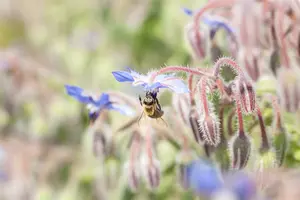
(214, 23)
(204, 178)
(241, 185)
(161, 81)
(96, 104)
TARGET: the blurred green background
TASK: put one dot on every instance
(48, 43)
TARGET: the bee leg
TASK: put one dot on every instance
(140, 100)
(140, 118)
(163, 121)
(158, 105)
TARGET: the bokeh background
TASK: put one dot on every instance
(47, 43)
(45, 148)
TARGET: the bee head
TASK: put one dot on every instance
(148, 100)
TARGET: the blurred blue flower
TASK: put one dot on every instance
(213, 22)
(241, 184)
(3, 162)
(96, 104)
(161, 81)
(204, 178)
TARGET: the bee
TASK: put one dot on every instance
(151, 106)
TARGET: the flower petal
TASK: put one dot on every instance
(123, 76)
(78, 94)
(204, 177)
(123, 109)
(188, 11)
(102, 101)
(175, 84)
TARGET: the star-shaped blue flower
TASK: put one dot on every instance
(161, 81)
(214, 23)
(96, 104)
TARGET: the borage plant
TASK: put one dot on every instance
(210, 101)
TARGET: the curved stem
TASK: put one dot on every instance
(190, 83)
(228, 61)
(276, 108)
(239, 115)
(179, 69)
(264, 137)
(229, 123)
(202, 85)
(209, 5)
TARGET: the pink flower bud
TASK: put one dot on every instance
(199, 49)
(251, 62)
(99, 144)
(133, 174)
(246, 94)
(210, 127)
(197, 131)
(151, 172)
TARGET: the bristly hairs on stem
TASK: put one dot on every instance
(264, 137)
(169, 69)
(192, 92)
(239, 115)
(229, 61)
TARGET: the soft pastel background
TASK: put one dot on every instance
(47, 43)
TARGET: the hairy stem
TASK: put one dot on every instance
(190, 83)
(265, 143)
(179, 69)
(225, 60)
(239, 115)
(202, 85)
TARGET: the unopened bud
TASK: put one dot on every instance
(215, 52)
(151, 173)
(99, 144)
(280, 143)
(240, 150)
(197, 131)
(251, 63)
(181, 104)
(132, 171)
(289, 89)
(246, 93)
(199, 49)
(210, 127)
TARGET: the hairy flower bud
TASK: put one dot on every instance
(197, 131)
(240, 150)
(151, 172)
(133, 174)
(99, 144)
(251, 63)
(210, 127)
(181, 104)
(289, 88)
(246, 93)
(199, 49)
(280, 143)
